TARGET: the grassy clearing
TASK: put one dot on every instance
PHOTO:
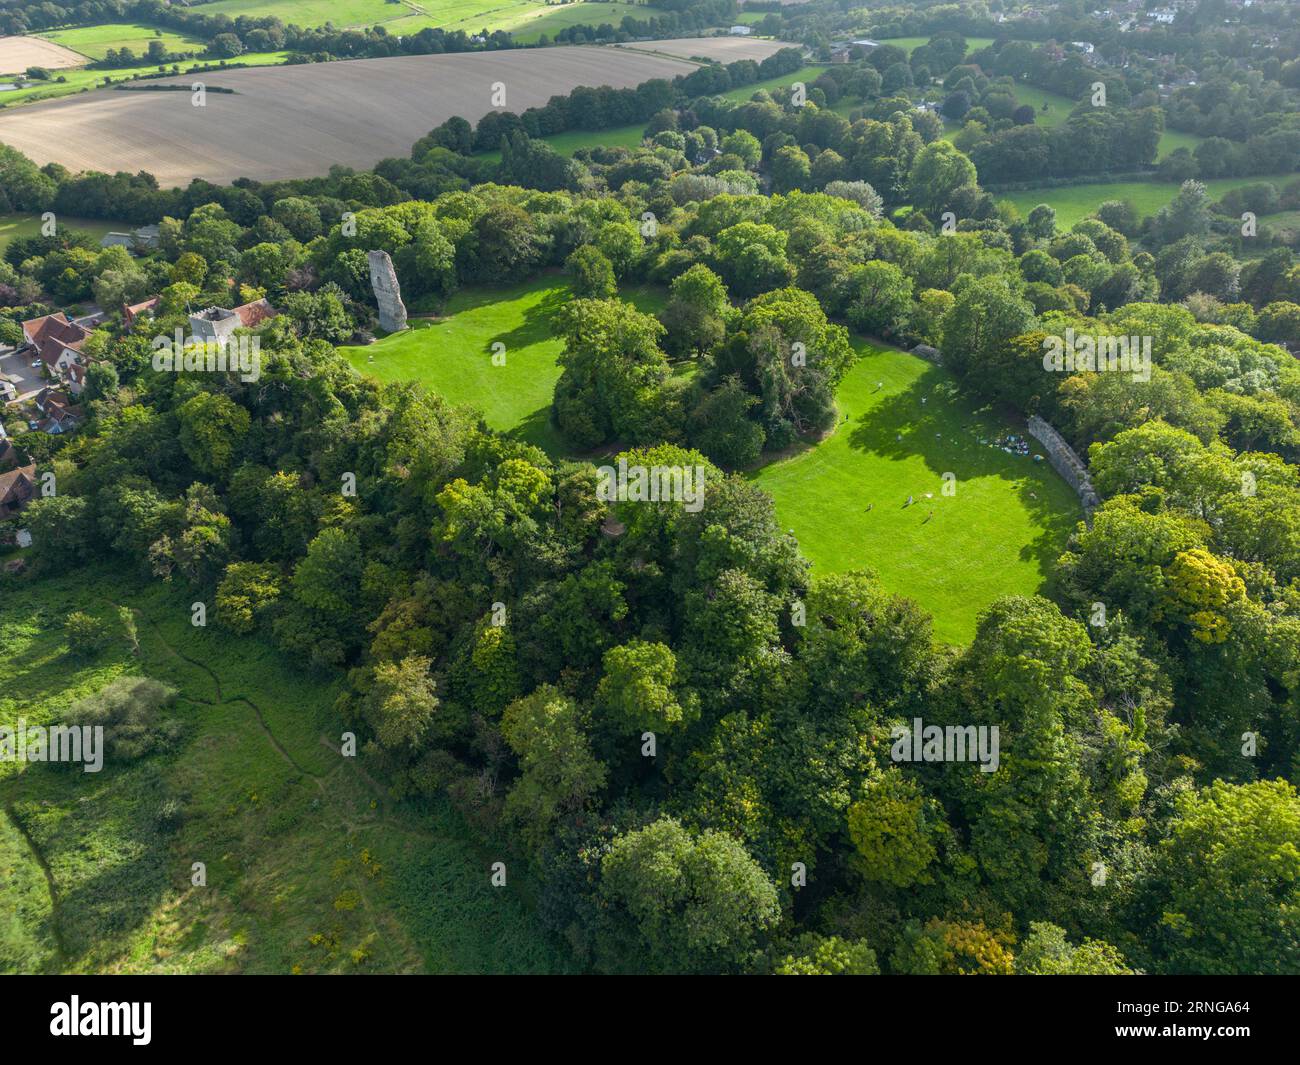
(452, 355)
(309, 866)
(993, 538)
(1059, 109)
(805, 74)
(28, 943)
(620, 137)
(95, 41)
(26, 225)
(1075, 202)
(1058, 106)
(997, 535)
(1285, 222)
(909, 44)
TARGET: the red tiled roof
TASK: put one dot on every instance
(16, 488)
(52, 333)
(130, 310)
(251, 315)
(49, 398)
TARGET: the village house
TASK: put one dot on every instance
(58, 341)
(16, 488)
(132, 311)
(60, 414)
(10, 457)
(843, 51)
(211, 323)
(138, 241)
(214, 323)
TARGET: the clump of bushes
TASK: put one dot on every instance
(130, 711)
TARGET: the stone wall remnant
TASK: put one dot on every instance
(388, 293)
(1068, 464)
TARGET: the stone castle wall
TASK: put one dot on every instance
(1064, 460)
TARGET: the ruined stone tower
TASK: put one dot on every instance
(388, 293)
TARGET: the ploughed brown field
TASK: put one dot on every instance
(298, 121)
(19, 53)
(724, 49)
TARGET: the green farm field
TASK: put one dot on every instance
(342, 14)
(528, 25)
(846, 497)
(1076, 202)
(95, 41)
(80, 79)
(525, 18)
(310, 866)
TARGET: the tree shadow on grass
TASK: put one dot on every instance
(538, 429)
(109, 826)
(946, 432)
(536, 324)
(536, 327)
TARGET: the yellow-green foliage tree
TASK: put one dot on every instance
(895, 829)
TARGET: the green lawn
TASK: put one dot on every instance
(95, 41)
(26, 225)
(1059, 108)
(452, 355)
(805, 74)
(620, 137)
(953, 555)
(908, 44)
(1075, 202)
(298, 841)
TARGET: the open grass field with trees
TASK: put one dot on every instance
(452, 355)
(1074, 203)
(595, 609)
(77, 80)
(310, 866)
(954, 555)
(846, 497)
(526, 20)
(95, 42)
(15, 226)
